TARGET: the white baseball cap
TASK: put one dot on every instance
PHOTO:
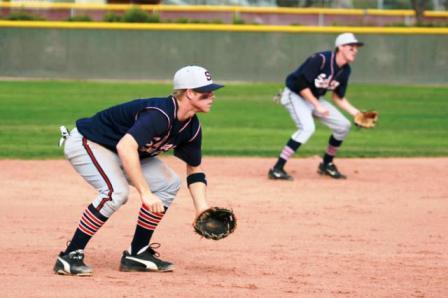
(347, 38)
(194, 77)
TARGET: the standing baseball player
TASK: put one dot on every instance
(117, 147)
(303, 98)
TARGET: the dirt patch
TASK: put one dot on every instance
(383, 232)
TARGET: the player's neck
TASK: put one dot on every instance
(185, 110)
(340, 59)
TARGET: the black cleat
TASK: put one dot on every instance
(330, 170)
(72, 264)
(279, 174)
(145, 261)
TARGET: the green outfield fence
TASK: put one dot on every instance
(63, 50)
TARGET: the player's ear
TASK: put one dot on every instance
(189, 93)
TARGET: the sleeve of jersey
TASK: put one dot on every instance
(310, 72)
(190, 152)
(150, 123)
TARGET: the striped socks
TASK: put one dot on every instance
(288, 151)
(91, 221)
(332, 149)
(146, 224)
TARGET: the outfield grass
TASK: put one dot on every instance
(244, 120)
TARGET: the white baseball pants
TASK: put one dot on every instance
(302, 113)
(102, 169)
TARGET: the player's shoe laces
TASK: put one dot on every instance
(72, 264)
(279, 174)
(330, 170)
(145, 261)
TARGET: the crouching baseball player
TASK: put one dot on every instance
(117, 147)
(303, 98)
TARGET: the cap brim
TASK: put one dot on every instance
(208, 88)
(359, 44)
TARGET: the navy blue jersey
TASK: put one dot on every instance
(154, 125)
(320, 73)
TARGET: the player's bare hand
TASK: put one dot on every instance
(323, 111)
(152, 203)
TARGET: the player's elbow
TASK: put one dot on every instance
(126, 144)
(121, 148)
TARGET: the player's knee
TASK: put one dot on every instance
(119, 198)
(309, 131)
(304, 134)
(346, 126)
(109, 202)
(342, 130)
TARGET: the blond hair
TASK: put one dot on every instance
(178, 93)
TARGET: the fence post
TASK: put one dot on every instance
(320, 19)
(380, 4)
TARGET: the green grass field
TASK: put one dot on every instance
(244, 120)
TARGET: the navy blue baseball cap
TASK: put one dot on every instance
(196, 78)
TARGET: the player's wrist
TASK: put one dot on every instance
(146, 194)
(354, 111)
(201, 209)
(196, 177)
(317, 105)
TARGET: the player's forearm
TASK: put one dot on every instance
(309, 96)
(198, 194)
(345, 105)
(198, 190)
(127, 151)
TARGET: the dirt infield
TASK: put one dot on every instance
(381, 233)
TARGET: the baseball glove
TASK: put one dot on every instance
(215, 223)
(277, 98)
(366, 119)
